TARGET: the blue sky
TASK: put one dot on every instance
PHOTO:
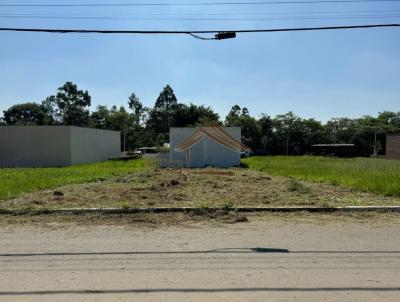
(315, 74)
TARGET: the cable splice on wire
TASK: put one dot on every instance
(219, 34)
(200, 37)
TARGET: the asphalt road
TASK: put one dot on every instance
(244, 262)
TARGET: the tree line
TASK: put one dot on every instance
(149, 126)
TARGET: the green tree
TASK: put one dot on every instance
(341, 130)
(165, 106)
(138, 109)
(391, 120)
(27, 114)
(120, 120)
(166, 100)
(193, 115)
(100, 118)
(287, 128)
(251, 131)
(233, 115)
(267, 139)
(161, 117)
(313, 133)
(70, 105)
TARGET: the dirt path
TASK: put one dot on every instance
(278, 261)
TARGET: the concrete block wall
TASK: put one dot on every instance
(56, 146)
(393, 146)
(94, 145)
(41, 146)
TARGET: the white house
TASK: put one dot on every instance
(206, 146)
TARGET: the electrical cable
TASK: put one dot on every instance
(217, 14)
(115, 18)
(195, 4)
(219, 34)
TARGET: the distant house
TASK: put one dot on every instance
(206, 146)
(56, 146)
(393, 146)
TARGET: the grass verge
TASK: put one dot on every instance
(14, 182)
(377, 176)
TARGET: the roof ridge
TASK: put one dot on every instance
(220, 136)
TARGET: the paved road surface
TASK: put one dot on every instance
(243, 262)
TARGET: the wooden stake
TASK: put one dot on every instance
(189, 163)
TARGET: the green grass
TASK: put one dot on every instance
(377, 176)
(13, 182)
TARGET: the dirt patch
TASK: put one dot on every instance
(151, 220)
(209, 171)
(197, 219)
(222, 188)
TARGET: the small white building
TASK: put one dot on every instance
(206, 146)
(56, 146)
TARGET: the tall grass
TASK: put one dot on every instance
(21, 180)
(365, 174)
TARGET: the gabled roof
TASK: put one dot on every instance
(217, 134)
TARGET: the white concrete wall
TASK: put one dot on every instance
(207, 152)
(56, 146)
(39, 146)
(93, 145)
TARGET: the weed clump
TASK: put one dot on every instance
(244, 165)
(58, 194)
(174, 182)
(239, 217)
(224, 215)
(296, 186)
(228, 206)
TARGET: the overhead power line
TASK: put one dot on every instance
(199, 18)
(193, 3)
(219, 34)
(241, 13)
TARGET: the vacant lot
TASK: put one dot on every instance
(365, 174)
(13, 182)
(335, 182)
(205, 188)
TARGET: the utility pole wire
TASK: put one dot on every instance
(202, 18)
(194, 33)
(193, 4)
(245, 13)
